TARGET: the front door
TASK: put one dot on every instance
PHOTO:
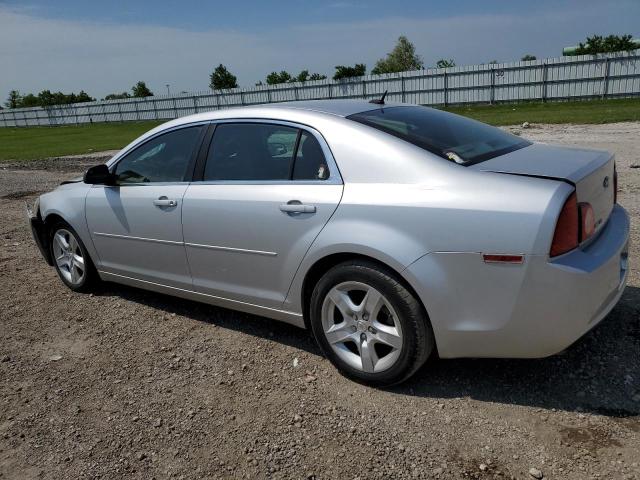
(136, 225)
(266, 193)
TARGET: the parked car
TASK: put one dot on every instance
(393, 232)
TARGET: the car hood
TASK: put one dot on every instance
(73, 180)
(549, 161)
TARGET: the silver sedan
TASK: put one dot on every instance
(393, 232)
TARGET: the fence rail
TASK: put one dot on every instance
(551, 79)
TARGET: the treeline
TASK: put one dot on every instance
(402, 58)
(46, 98)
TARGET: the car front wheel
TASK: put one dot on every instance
(70, 258)
(369, 325)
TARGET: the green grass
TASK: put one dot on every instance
(594, 111)
(28, 143)
(40, 142)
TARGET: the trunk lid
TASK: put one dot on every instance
(590, 171)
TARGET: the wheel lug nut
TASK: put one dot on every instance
(372, 330)
(354, 328)
(365, 317)
(363, 336)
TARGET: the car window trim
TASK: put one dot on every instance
(192, 160)
(334, 178)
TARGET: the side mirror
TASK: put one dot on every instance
(99, 175)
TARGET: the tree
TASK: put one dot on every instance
(140, 90)
(611, 43)
(30, 100)
(117, 96)
(403, 57)
(444, 63)
(13, 100)
(283, 77)
(359, 70)
(275, 78)
(222, 78)
(528, 58)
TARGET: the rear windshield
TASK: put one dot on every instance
(450, 136)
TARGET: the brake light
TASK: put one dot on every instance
(566, 236)
(587, 221)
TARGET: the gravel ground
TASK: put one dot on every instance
(124, 383)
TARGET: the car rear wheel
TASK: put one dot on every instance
(369, 325)
(70, 258)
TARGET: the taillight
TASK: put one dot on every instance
(587, 221)
(566, 236)
(615, 184)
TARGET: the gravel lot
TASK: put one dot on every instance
(129, 384)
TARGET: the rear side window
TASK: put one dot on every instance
(258, 151)
(166, 158)
(310, 162)
(450, 136)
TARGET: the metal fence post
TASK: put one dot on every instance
(269, 95)
(195, 108)
(330, 91)
(295, 92)
(446, 88)
(493, 85)
(135, 105)
(15, 121)
(402, 98)
(155, 108)
(241, 97)
(120, 111)
(364, 88)
(605, 80)
(545, 69)
(175, 108)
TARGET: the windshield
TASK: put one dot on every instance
(450, 136)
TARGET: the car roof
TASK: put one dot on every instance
(339, 107)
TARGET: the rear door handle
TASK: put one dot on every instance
(294, 206)
(165, 202)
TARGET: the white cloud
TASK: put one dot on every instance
(38, 53)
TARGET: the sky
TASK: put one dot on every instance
(105, 47)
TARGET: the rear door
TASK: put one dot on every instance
(136, 225)
(266, 191)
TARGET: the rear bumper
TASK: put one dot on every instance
(39, 233)
(532, 310)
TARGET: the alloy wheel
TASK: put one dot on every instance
(362, 327)
(68, 257)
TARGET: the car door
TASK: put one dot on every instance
(136, 224)
(266, 191)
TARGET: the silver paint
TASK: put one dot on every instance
(430, 220)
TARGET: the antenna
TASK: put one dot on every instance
(379, 101)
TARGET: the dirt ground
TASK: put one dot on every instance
(125, 383)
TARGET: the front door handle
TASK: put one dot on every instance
(165, 202)
(295, 206)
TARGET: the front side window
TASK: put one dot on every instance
(450, 136)
(165, 158)
(259, 151)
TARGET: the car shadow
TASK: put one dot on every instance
(598, 374)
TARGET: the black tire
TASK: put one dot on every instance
(417, 335)
(90, 278)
